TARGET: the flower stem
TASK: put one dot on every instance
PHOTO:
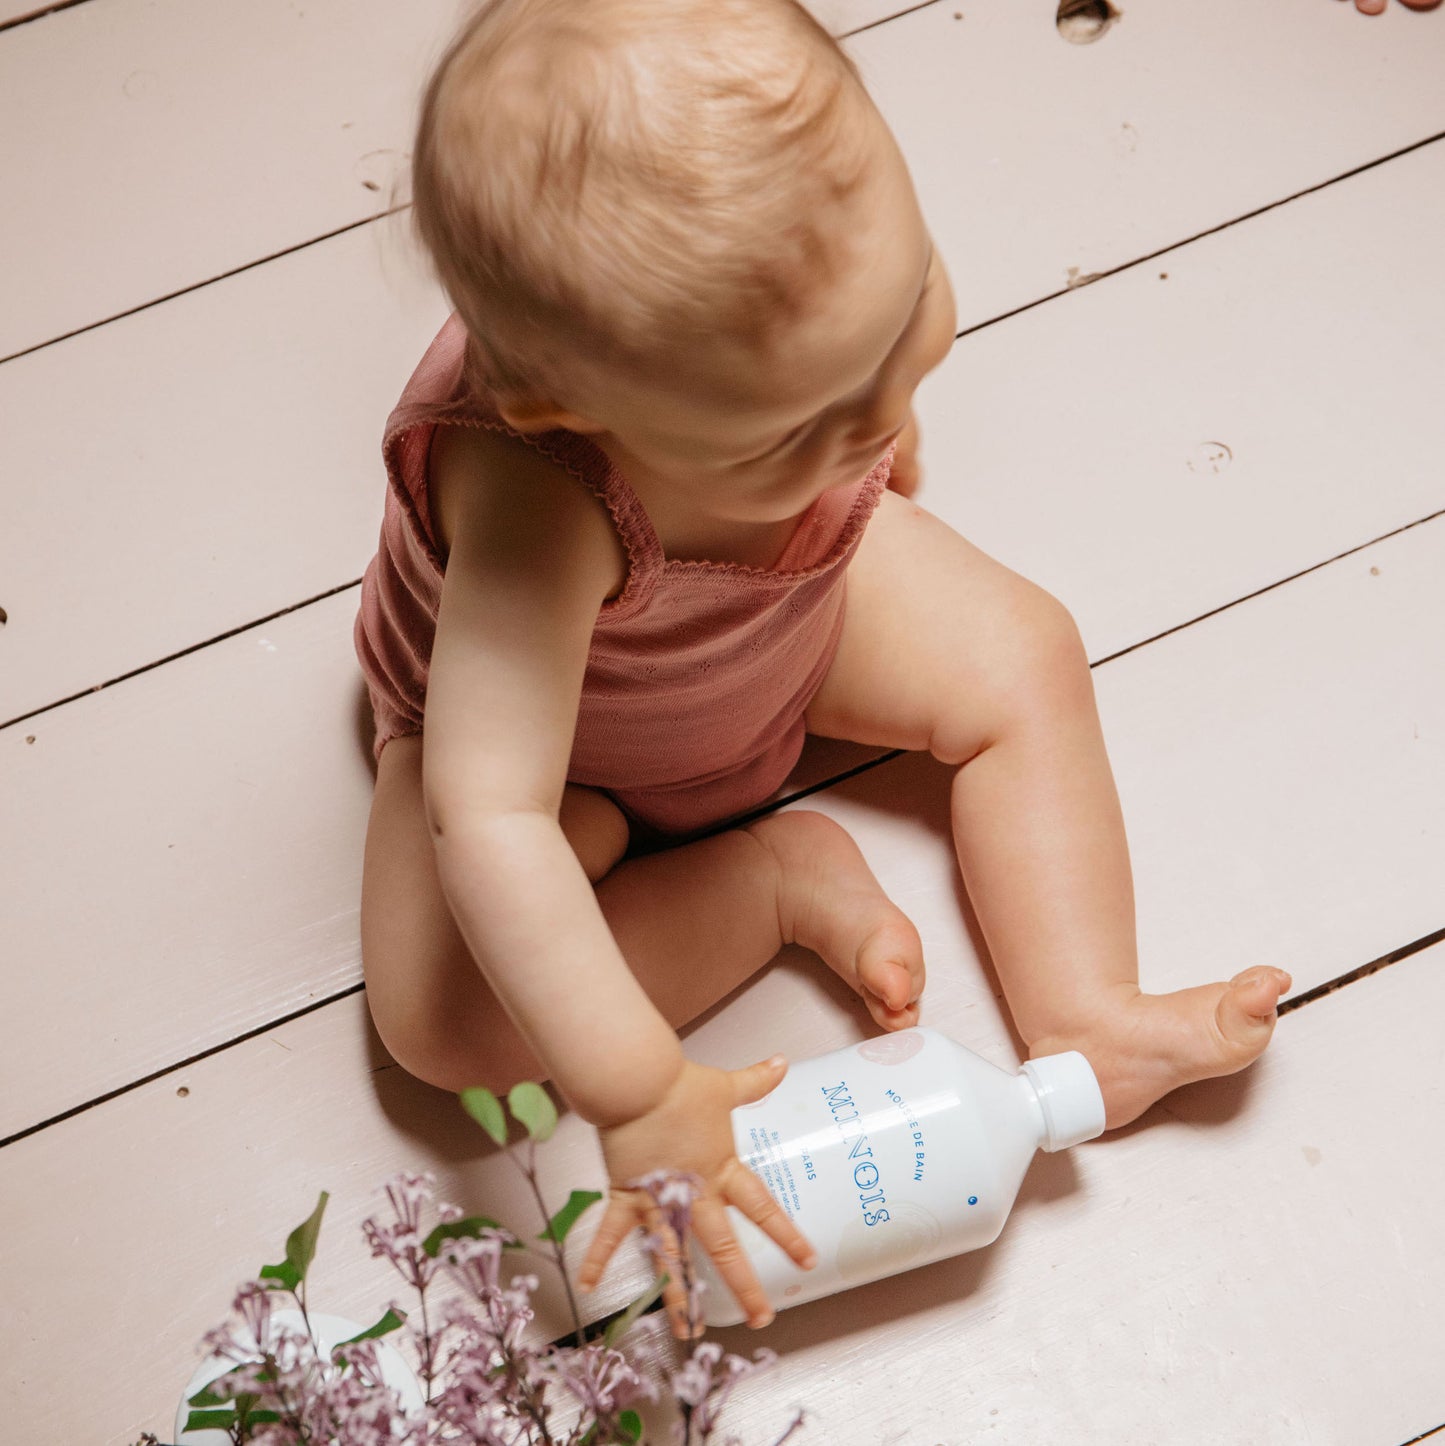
(427, 1348)
(530, 1171)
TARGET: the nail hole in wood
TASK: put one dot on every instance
(1081, 22)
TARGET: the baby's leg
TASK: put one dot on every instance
(693, 923)
(946, 650)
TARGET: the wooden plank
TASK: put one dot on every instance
(1041, 163)
(1120, 504)
(139, 163)
(231, 440)
(1258, 1261)
(151, 147)
(246, 757)
(190, 857)
(1181, 435)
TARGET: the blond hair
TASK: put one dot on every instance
(624, 180)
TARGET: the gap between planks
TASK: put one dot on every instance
(340, 588)
(1173, 246)
(1288, 1006)
(967, 331)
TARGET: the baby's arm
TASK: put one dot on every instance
(532, 558)
(528, 569)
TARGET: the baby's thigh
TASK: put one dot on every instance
(943, 648)
(431, 1005)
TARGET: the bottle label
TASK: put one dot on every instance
(879, 1155)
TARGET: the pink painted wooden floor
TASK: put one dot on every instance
(1197, 395)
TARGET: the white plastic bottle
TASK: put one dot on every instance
(896, 1152)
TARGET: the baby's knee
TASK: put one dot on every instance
(450, 1043)
(1050, 677)
(1037, 675)
(1051, 651)
(440, 1055)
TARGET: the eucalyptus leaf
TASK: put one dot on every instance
(532, 1106)
(210, 1421)
(300, 1249)
(469, 1229)
(566, 1217)
(630, 1424)
(621, 1324)
(486, 1109)
(392, 1321)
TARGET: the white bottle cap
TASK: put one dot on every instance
(1069, 1097)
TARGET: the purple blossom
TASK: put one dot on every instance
(475, 1264)
(673, 1193)
(400, 1241)
(488, 1385)
(706, 1380)
(603, 1380)
(245, 1336)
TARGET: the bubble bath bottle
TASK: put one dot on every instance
(894, 1153)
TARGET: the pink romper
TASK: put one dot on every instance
(699, 673)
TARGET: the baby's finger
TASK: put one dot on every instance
(751, 1084)
(713, 1234)
(746, 1191)
(662, 1244)
(617, 1223)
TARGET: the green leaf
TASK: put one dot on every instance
(621, 1324)
(300, 1249)
(468, 1229)
(391, 1321)
(532, 1106)
(210, 1421)
(630, 1424)
(486, 1109)
(566, 1217)
(207, 1397)
(283, 1275)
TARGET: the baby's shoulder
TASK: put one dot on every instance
(481, 479)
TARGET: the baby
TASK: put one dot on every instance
(694, 297)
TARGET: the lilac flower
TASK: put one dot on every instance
(673, 1193)
(486, 1383)
(401, 1240)
(475, 1264)
(603, 1380)
(245, 1337)
(706, 1380)
(355, 1407)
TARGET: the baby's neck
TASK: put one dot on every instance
(690, 534)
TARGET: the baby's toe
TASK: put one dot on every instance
(1245, 1013)
(890, 974)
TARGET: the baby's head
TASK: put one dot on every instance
(696, 196)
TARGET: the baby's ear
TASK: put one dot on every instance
(529, 413)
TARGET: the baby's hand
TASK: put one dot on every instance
(690, 1131)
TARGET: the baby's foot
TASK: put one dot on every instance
(829, 901)
(1378, 7)
(1150, 1044)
